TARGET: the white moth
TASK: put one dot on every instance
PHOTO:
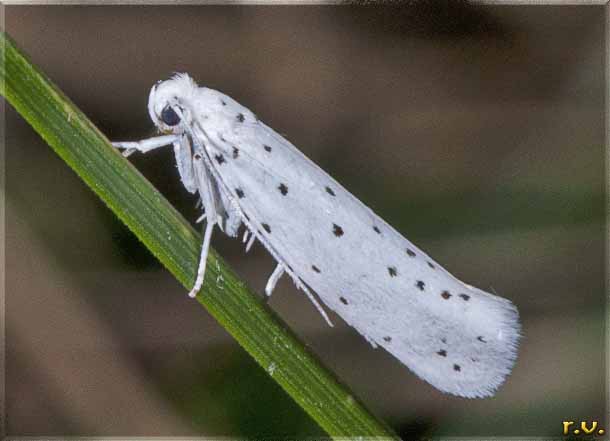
(458, 338)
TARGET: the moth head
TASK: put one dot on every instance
(169, 103)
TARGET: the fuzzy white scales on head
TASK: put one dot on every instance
(459, 338)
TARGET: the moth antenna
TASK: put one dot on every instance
(302, 287)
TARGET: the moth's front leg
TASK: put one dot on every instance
(145, 145)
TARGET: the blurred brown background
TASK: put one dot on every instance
(477, 131)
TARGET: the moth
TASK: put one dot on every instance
(459, 338)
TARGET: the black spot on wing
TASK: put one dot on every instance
(431, 265)
(235, 152)
(481, 339)
(267, 148)
(337, 230)
(283, 189)
(266, 227)
(220, 159)
(421, 285)
(240, 117)
(343, 300)
(464, 297)
(410, 253)
(377, 230)
(446, 295)
(240, 193)
(387, 338)
(315, 268)
(223, 102)
(457, 368)
(442, 353)
(330, 191)
(392, 271)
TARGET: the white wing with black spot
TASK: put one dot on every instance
(459, 338)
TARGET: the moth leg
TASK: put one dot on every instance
(145, 145)
(245, 239)
(250, 242)
(203, 258)
(232, 216)
(206, 192)
(273, 279)
(206, 189)
(232, 222)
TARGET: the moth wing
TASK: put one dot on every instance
(459, 338)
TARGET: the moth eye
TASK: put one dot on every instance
(170, 117)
